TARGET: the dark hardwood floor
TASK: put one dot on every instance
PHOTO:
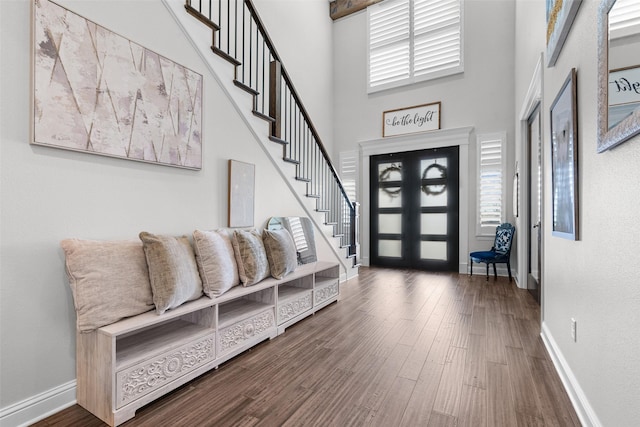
(400, 348)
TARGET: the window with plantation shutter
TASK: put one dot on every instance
(413, 40)
(491, 166)
(349, 172)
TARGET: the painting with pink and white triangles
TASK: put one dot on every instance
(98, 92)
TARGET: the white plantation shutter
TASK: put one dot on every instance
(436, 36)
(349, 172)
(491, 165)
(389, 42)
(624, 19)
(413, 40)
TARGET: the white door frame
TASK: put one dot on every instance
(423, 141)
(532, 99)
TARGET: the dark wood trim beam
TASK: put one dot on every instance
(341, 8)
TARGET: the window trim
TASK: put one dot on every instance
(412, 79)
(490, 231)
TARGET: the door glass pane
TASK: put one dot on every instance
(433, 223)
(390, 172)
(432, 195)
(429, 198)
(434, 168)
(390, 197)
(433, 250)
(390, 223)
(390, 248)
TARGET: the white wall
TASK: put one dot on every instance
(482, 97)
(49, 194)
(594, 279)
(302, 37)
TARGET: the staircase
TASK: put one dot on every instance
(240, 38)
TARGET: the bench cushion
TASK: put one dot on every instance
(108, 279)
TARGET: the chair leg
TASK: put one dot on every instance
(509, 270)
(487, 272)
(495, 273)
(471, 266)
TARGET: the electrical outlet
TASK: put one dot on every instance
(573, 329)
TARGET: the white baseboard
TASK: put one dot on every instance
(585, 412)
(39, 406)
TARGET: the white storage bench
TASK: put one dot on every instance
(128, 364)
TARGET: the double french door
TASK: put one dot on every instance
(414, 209)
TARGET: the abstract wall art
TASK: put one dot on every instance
(98, 92)
(242, 184)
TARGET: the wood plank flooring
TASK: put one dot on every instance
(400, 348)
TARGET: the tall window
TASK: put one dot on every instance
(491, 183)
(413, 40)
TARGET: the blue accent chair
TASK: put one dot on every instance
(499, 253)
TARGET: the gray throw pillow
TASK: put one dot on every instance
(172, 270)
(109, 280)
(250, 256)
(281, 252)
(216, 261)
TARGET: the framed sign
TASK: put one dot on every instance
(420, 118)
(564, 160)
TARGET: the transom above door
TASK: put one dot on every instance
(414, 209)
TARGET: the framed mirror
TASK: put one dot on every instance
(618, 72)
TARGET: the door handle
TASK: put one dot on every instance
(537, 225)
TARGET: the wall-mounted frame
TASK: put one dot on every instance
(97, 92)
(416, 119)
(560, 16)
(564, 160)
(242, 178)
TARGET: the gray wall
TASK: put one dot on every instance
(482, 97)
(49, 194)
(595, 279)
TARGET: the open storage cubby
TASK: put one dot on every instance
(245, 321)
(295, 301)
(326, 286)
(128, 364)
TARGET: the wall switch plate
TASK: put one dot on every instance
(573, 329)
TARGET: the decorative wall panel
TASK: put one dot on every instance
(98, 92)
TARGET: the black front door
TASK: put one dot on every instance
(414, 209)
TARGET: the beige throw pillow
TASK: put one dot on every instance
(281, 252)
(216, 261)
(109, 281)
(172, 270)
(250, 256)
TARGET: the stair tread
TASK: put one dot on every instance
(278, 140)
(226, 56)
(290, 160)
(264, 116)
(303, 179)
(202, 18)
(314, 196)
(245, 87)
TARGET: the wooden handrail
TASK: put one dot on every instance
(276, 70)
